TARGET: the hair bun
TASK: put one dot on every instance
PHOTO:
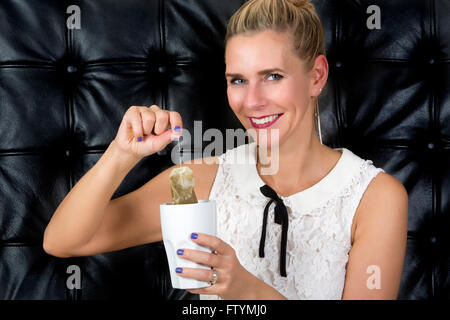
(304, 4)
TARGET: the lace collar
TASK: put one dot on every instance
(246, 176)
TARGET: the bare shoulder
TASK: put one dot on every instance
(384, 201)
(380, 241)
(386, 186)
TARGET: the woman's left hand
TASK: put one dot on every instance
(233, 281)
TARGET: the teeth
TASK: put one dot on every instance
(265, 120)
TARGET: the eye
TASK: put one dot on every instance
(237, 81)
(274, 76)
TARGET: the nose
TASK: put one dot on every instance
(254, 96)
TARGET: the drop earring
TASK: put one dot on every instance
(317, 113)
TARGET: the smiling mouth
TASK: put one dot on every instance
(264, 122)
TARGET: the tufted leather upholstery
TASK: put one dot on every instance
(63, 93)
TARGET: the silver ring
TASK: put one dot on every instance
(215, 277)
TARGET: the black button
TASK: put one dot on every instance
(430, 145)
(338, 64)
(67, 153)
(162, 69)
(71, 69)
(433, 239)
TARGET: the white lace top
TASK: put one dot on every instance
(320, 222)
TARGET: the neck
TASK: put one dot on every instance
(298, 162)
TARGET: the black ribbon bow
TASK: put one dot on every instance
(281, 217)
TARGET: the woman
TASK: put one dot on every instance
(343, 221)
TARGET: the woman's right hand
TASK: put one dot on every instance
(151, 124)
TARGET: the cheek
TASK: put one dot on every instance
(234, 99)
(293, 96)
(287, 98)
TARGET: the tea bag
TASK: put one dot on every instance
(182, 186)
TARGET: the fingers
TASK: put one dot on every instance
(201, 257)
(202, 275)
(163, 140)
(152, 120)
(154, 108)
(175, 120)
(196, 273)
(133, 119)
(212, 242)
(148, 120)
(161, 121)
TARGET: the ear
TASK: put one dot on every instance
(319, 75)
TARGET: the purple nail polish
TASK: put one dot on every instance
(179, 270)
(139, 139)
(180, 252)
(194, 236)
(177, 129)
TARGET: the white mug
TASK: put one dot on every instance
(177, 223)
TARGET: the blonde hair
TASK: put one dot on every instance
(298, 17)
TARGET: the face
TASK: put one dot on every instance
(268, 87)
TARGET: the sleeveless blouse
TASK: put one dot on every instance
(320, 223)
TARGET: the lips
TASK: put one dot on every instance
(264, 121)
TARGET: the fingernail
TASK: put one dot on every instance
(180, 252)
(179, 270)
(139, 139)
(177, 129)
(194, 236)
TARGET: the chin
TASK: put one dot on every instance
(266, 138)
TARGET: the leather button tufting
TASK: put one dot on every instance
(430, 145)
(67, 153)
(71, 69)
(338, 64)
(162, 69)
(433, 239)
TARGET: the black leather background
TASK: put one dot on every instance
(63, 94)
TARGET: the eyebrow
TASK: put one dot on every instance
(262, 72)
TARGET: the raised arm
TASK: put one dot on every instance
(87, 221)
